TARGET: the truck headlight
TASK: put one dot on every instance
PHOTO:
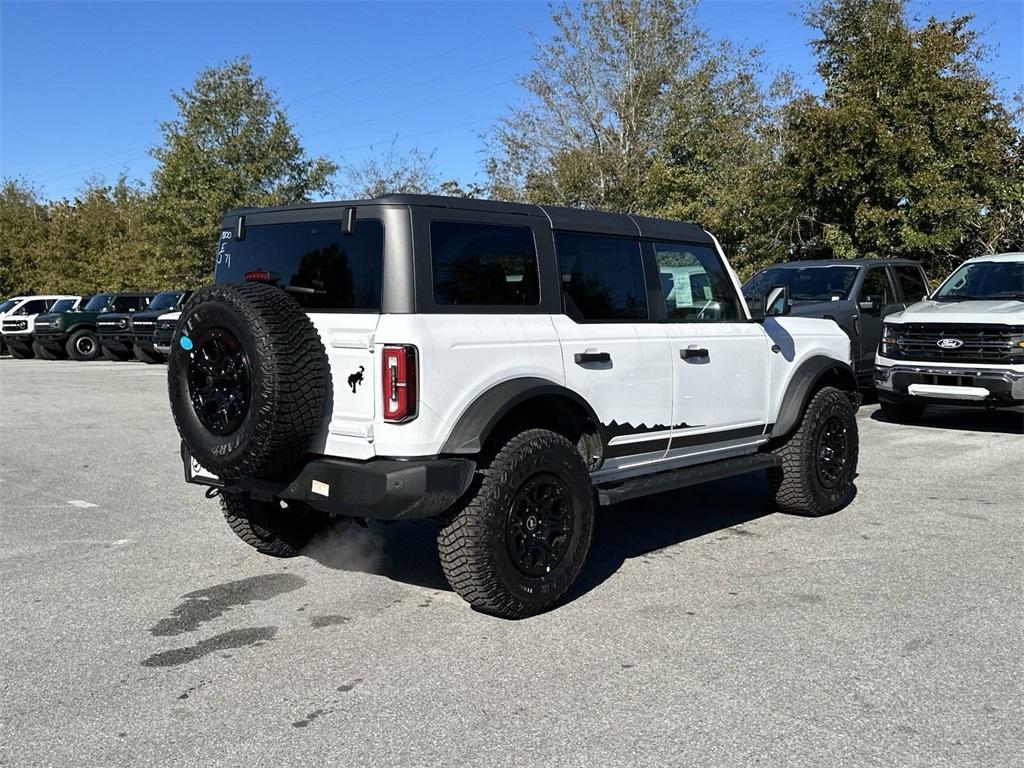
(888, 343)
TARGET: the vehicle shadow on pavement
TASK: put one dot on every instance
(640, 527)
(1007, 421)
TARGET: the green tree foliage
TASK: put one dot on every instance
(23, 225)
(908, 152)
(231, 145)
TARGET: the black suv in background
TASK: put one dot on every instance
(856, 293)
(144, 324)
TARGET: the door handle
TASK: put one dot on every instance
(582, 358)
(693, 353)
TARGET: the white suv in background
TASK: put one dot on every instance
(18, 316)
(963, 346)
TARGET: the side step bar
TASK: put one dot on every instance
(680, 478)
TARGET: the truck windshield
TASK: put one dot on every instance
(62, 305)
(811, 283)
(99, 301)
(990, 280)
(8, 304)
(165, 300)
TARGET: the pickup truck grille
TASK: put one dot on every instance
(978, 343)
(15, 325)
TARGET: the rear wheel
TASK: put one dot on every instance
(83, 345)
(20, 351)
(901, 412)
(269, 528)
(516, 545)
(44, 353)
(147, 356)
(819, 460)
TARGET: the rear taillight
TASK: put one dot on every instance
(398, 375)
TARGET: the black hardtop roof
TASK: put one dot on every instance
(561, 219)
(840, 263)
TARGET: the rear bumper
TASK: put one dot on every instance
(379, 489)
(940, 385)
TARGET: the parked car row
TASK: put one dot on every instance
(116, 326)
(962, 345)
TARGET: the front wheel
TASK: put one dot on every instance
(269, 528)
(147, 356)
(45, 353)
(819, 460)
(20, 351)
(516, 544)
(115, 355)
(83, 345)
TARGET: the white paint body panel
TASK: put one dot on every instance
(12, 313)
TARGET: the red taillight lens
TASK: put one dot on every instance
(398, 375)
(258, 276)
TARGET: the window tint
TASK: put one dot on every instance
(483, 264)
(129, 303)
(166, 300)
(877, 286)
(319, 266)
(602, 277)
(809, 283)
(911, 282)
(99, 301)
(33, 307)
(696, 286)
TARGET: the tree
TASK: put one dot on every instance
(908, 152)
(412, 172)
(231, 145)
(597, 108)
(23, 225)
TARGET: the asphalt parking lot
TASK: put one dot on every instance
(706, 631)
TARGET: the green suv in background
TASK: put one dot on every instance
(73, 334)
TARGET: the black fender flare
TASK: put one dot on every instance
(803, 384)
(78, 327)
(478, 420)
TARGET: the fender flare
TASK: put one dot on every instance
(78, 327)
(802, 385)
(475, 424)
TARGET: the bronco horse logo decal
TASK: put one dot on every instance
(355, 379)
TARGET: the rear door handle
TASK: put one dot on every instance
(582, 358)
(693, 353)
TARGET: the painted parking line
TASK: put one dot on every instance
(82, 504)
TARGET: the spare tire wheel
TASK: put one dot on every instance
(246, 375)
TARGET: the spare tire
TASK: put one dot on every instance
(246, 376)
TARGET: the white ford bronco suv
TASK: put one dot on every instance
(962, 346)
(18, 319)
(504, 368)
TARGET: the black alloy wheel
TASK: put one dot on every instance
(831, 449)
(539, 525)
(218, 381)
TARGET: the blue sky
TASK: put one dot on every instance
(83, 85)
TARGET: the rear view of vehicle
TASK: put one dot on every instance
(964, 346)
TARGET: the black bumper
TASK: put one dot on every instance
(52, 339)
(379, 489)
(21, 339)
(115, 342)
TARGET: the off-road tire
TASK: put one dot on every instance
(44, 353)
(145, 356)
(796, 484)
(76, 339)
(287, 372)
(901, 413)
(115, 356)
(472, 542)
(267, 527)
(20, 352)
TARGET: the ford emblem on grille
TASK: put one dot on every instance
(949, 343)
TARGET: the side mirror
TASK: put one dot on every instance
(871, 303)
(776, 302)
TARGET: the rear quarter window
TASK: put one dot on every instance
(313, 261)
(484, 265)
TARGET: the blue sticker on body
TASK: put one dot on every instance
(186, 343)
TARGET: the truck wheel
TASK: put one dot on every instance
(819, 460)
(269, 528)
(83, 345)
(900, 413)
(145, 356)
(44, 353)
(115, 356)
(246, 377)
(515, 546)
(19, 351)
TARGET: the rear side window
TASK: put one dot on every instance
(696, 286)
(913, 284)
(33, 307)
(602, 277)
(129, 303)
(483, 264)
(313, 261)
